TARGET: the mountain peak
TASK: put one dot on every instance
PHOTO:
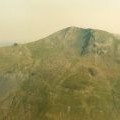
(73, 28)
(85, 41)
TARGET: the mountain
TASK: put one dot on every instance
(72, 74)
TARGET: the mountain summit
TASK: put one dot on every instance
(84, 41)
(73, 74)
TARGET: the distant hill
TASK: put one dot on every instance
(5, 43)
(73, 74)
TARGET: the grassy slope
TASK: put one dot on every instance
(71, 75)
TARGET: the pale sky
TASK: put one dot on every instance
(28, 20)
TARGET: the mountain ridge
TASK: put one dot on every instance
(74, 28)
(81, 38)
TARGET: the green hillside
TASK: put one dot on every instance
(73, 74)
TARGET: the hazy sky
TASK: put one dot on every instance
(27, 20)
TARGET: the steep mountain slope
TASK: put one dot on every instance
(72, 74)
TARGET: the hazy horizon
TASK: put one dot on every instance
(29, 20)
